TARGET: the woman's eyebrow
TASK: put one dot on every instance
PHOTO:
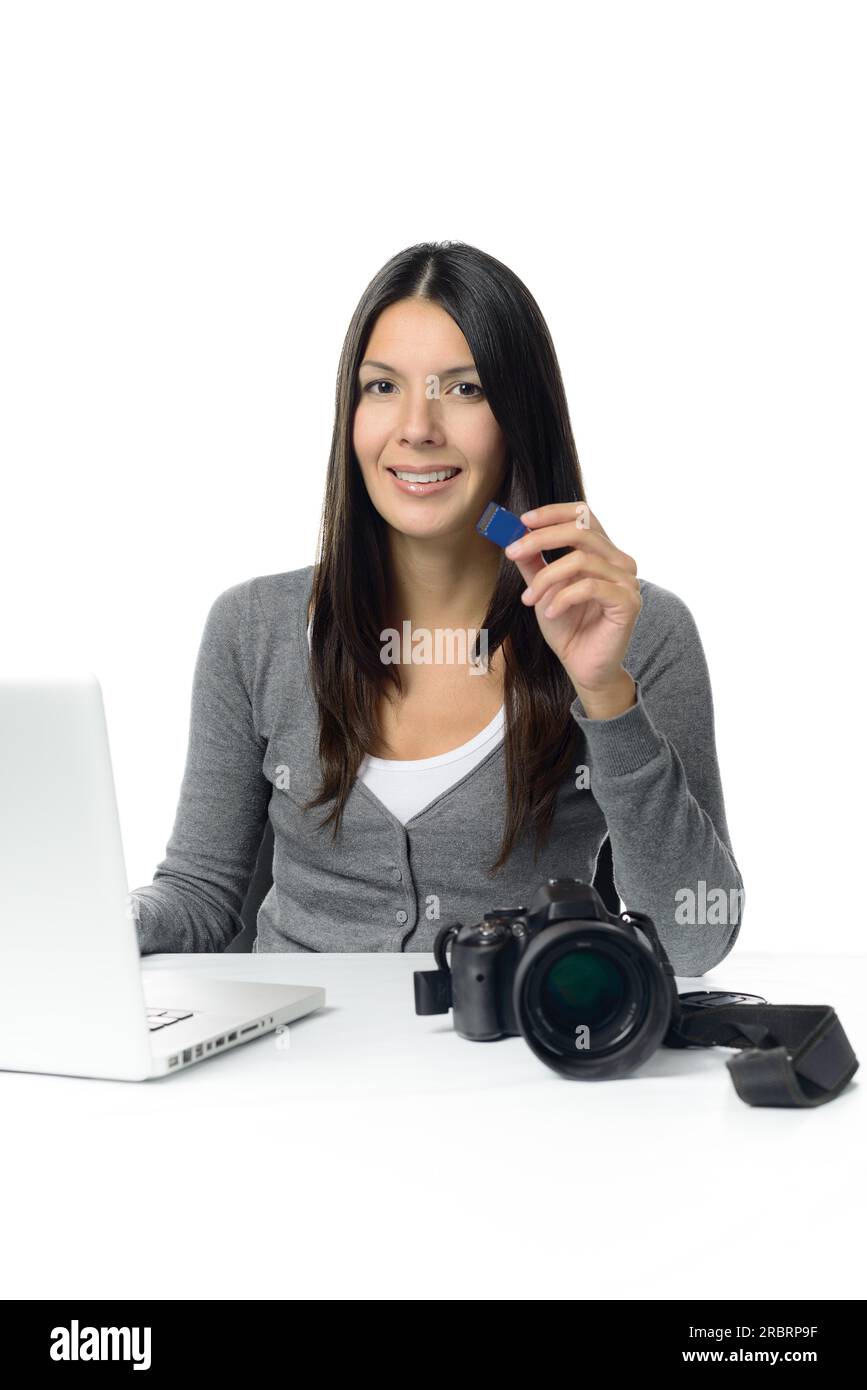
(450, 371)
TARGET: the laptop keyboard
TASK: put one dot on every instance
(161, 1018)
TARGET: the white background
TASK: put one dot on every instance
(195, 197)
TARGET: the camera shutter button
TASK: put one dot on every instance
(492, 928)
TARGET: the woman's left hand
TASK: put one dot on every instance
(586, 602)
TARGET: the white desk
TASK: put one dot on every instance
(379, 1155)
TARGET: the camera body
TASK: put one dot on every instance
(592, 994)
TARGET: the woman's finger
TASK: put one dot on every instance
(579, 514)
(565, 536)
(531, 566)
(571, 567)
(613, 596)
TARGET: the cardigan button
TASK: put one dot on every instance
(396, 875)
(400, 916)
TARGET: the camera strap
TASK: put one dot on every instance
(793, 1055)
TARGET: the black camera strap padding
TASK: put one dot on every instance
(793, 1055)
(433, 991)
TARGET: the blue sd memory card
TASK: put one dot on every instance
(499, 525)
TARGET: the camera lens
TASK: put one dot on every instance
(585, 997)
(590, 1001)
(582, 987)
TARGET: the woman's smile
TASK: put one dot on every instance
(422, 482)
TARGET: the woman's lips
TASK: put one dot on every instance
(422, 489)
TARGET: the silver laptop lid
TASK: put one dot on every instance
(71, 996)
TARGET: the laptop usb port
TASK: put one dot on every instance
(219, 1042)
(199, 1050)
(187, 1054)
(231, 1037)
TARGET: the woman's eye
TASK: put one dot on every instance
(370, 385)
(473, 387)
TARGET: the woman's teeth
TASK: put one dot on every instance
(426, 477)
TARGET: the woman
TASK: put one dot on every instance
(409, 792)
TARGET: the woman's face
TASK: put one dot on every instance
(421, 410)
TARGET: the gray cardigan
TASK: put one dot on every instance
(654, 787)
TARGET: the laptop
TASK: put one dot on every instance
(74, 1000)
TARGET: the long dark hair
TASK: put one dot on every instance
(519, 373)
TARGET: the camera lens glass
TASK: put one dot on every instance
(585, 997)
(582, 987)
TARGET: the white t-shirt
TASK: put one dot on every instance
(407, 787)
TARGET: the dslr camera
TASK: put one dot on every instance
(594, 995)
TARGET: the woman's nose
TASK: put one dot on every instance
(420, 420)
